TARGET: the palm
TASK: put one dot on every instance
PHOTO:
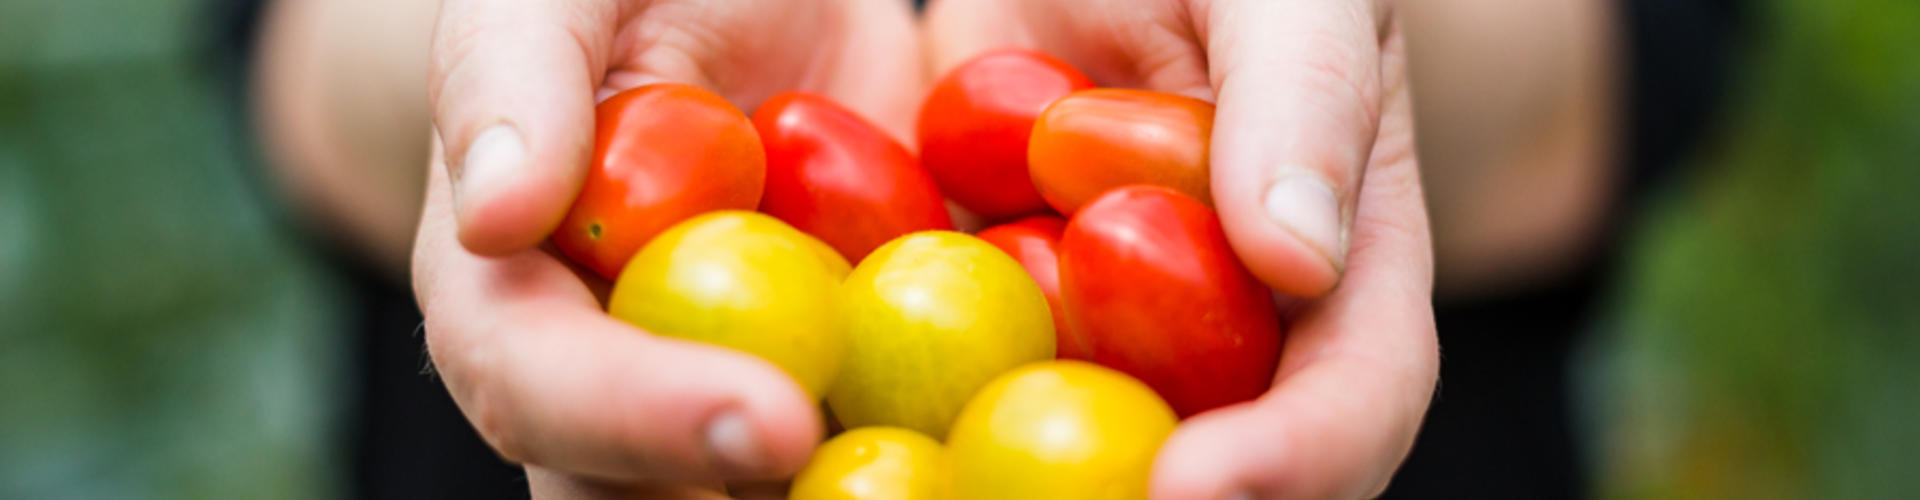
(516, 333)
(748, 51)
(1359, 362)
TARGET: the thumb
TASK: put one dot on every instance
(511, 86)
(1299, 92)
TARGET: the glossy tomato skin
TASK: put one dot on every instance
(745, 281)
(1058, 430)
(874, 463)
(840, 178)
(1149, 280)
(930, 317)
(1035, 242)
(975, 123)
(1095, 140)
(661, 153)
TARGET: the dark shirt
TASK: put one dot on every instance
(1502, 424)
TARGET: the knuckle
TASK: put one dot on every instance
(1336, 69)
(454, 41)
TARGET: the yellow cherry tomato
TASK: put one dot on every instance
(932, 316)
(1059, 430)
(741, 280)
(874, 463)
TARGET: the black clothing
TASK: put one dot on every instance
(403, 434)
(1502, 425)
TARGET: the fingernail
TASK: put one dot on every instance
(1304, 204)
(491, 159)
(730, 439)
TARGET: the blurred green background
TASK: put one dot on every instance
(166, 333)
(162, 333)
(1767, 341)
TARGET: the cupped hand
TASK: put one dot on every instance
(593, 406)
(512, 84)
(1313, 105)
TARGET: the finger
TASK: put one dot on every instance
(1299, 90)
(1328, 436)
(549, 379)
(1358, 369)
(549, 485)
(511, 87)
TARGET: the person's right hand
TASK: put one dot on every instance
(594, 406)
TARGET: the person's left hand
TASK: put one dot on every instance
(1313, 105)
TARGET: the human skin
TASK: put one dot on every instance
(589, 404)
(1319, 190)
(1471, 170)
(1507, 96)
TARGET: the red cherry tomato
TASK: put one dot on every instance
(661, 153)
(1035, 242)
(1096, 140)
(1150, 282)
(975, 123)
(836, 176)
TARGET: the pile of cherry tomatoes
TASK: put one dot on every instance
(1052, 353)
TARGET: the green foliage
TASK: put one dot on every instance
(160, 336)
(1768, 344)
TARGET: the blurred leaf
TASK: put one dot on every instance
(160, 336)
(1769, 340)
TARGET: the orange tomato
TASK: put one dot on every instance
(1095, 140)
